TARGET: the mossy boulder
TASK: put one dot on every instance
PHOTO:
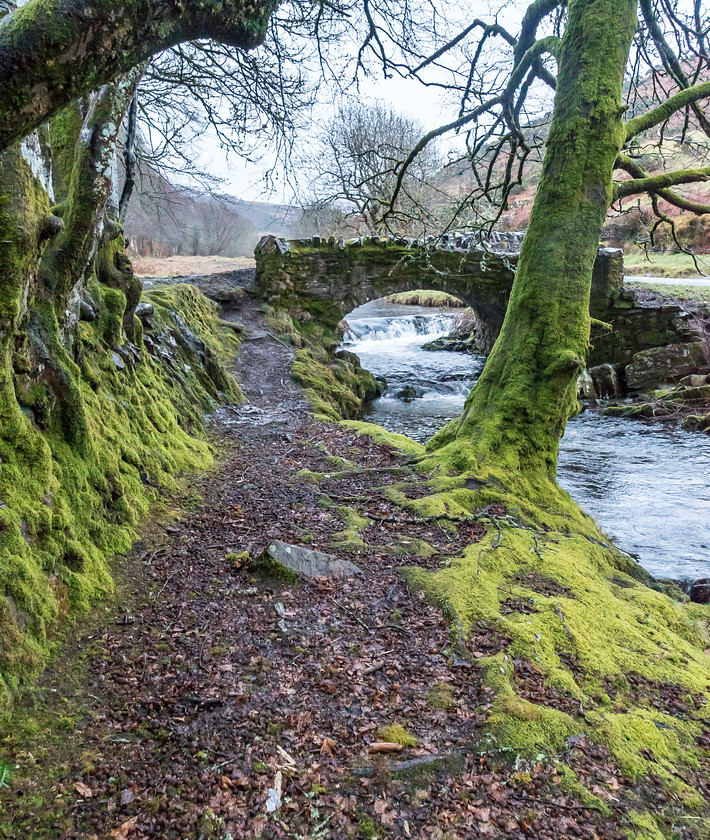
(284, 561)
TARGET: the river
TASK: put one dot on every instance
(648, 486)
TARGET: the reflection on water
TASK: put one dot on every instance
(647, 486)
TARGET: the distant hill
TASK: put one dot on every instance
(677, 151)
(266, 217)
(165, 220)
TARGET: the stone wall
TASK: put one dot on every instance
(327, 279)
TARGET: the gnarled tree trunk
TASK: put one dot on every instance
(515, 416)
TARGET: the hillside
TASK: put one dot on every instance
(676, 150)
(165, 220)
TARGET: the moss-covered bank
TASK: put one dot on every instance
(80, 464)
(333, 381)
(545, 599)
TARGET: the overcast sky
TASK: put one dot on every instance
(408, 96)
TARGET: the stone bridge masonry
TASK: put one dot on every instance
(329, 278)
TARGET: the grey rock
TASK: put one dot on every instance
(585, 386)
(144, 309)
(409, 392)
(86, 311)
(305, 561)
(270, 244)
(606, 381)
(698, 590)
(118, 361)
(662, 365)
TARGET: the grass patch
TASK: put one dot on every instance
(665, 265)
(687, 293)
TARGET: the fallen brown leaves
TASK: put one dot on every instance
(241, 706)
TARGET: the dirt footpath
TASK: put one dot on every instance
(207, 702)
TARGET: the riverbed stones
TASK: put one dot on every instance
(606, 381)
(661, 365)
(585, 386)
(284, 557)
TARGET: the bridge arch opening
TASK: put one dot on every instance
(396, 338)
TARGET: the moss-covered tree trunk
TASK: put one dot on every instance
(52, 52)
(515, 416)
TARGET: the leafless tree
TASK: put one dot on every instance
(354, 169)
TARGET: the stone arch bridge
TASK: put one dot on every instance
(329, 279)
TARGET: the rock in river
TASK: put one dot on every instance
(409, 392)
(284, 558)
(585, 386)
(661, 365)
(606, 381)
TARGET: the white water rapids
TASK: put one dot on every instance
(647, 485)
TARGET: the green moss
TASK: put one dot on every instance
(644, 827)
(597, 618)
(336, 388)
(351, 535)
(569, 781)
(86, 448)
(396, 734)
(633, 735)
(366, 826)
(267, 567)
(380, 435)
(441, 696)
(423, 297)
(306, 476)
(605, 629)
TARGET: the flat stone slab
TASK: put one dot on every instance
(311, 564)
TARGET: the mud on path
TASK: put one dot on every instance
(183, 707)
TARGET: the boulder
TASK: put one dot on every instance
(585, 386)
(409, 392)
(606, 381)
(283, 560)
(381, 383)
(661, 365)
(697, 423)
(698, 590)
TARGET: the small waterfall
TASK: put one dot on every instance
(387, 329)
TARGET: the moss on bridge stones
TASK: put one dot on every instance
(328, 281)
